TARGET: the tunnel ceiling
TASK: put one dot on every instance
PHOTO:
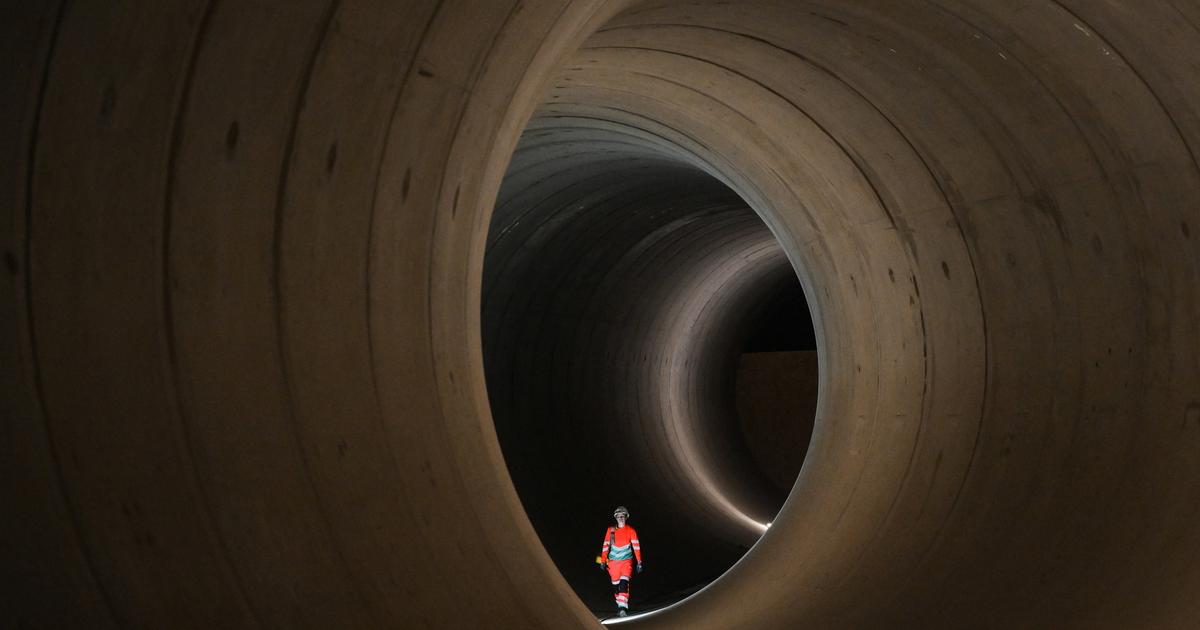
(244, 264)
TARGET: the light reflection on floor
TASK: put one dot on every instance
(634, 617)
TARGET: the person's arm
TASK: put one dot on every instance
(604, 549)
(637, 546)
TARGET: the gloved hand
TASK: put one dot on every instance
(604, 566)
(639, 567)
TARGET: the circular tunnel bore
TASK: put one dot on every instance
(639, 324)
(240, 307)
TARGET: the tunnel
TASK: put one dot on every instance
(287, 282)
(641, 331)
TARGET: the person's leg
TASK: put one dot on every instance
(623, 594)
(614, 574)
(620, 572)
(625, 577)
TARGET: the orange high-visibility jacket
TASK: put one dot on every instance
(624, 545)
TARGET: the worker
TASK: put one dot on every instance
(621, 548)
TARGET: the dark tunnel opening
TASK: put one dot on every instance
(783, 322)
(776, 382)
(642, 334)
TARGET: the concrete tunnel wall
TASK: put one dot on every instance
(243, 261)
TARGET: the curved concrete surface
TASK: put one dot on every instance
(244, 258)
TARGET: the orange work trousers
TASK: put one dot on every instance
(621, 573)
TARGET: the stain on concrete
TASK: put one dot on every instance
(1048, 206)
(231, 139)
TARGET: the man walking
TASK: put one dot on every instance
(621, 548)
